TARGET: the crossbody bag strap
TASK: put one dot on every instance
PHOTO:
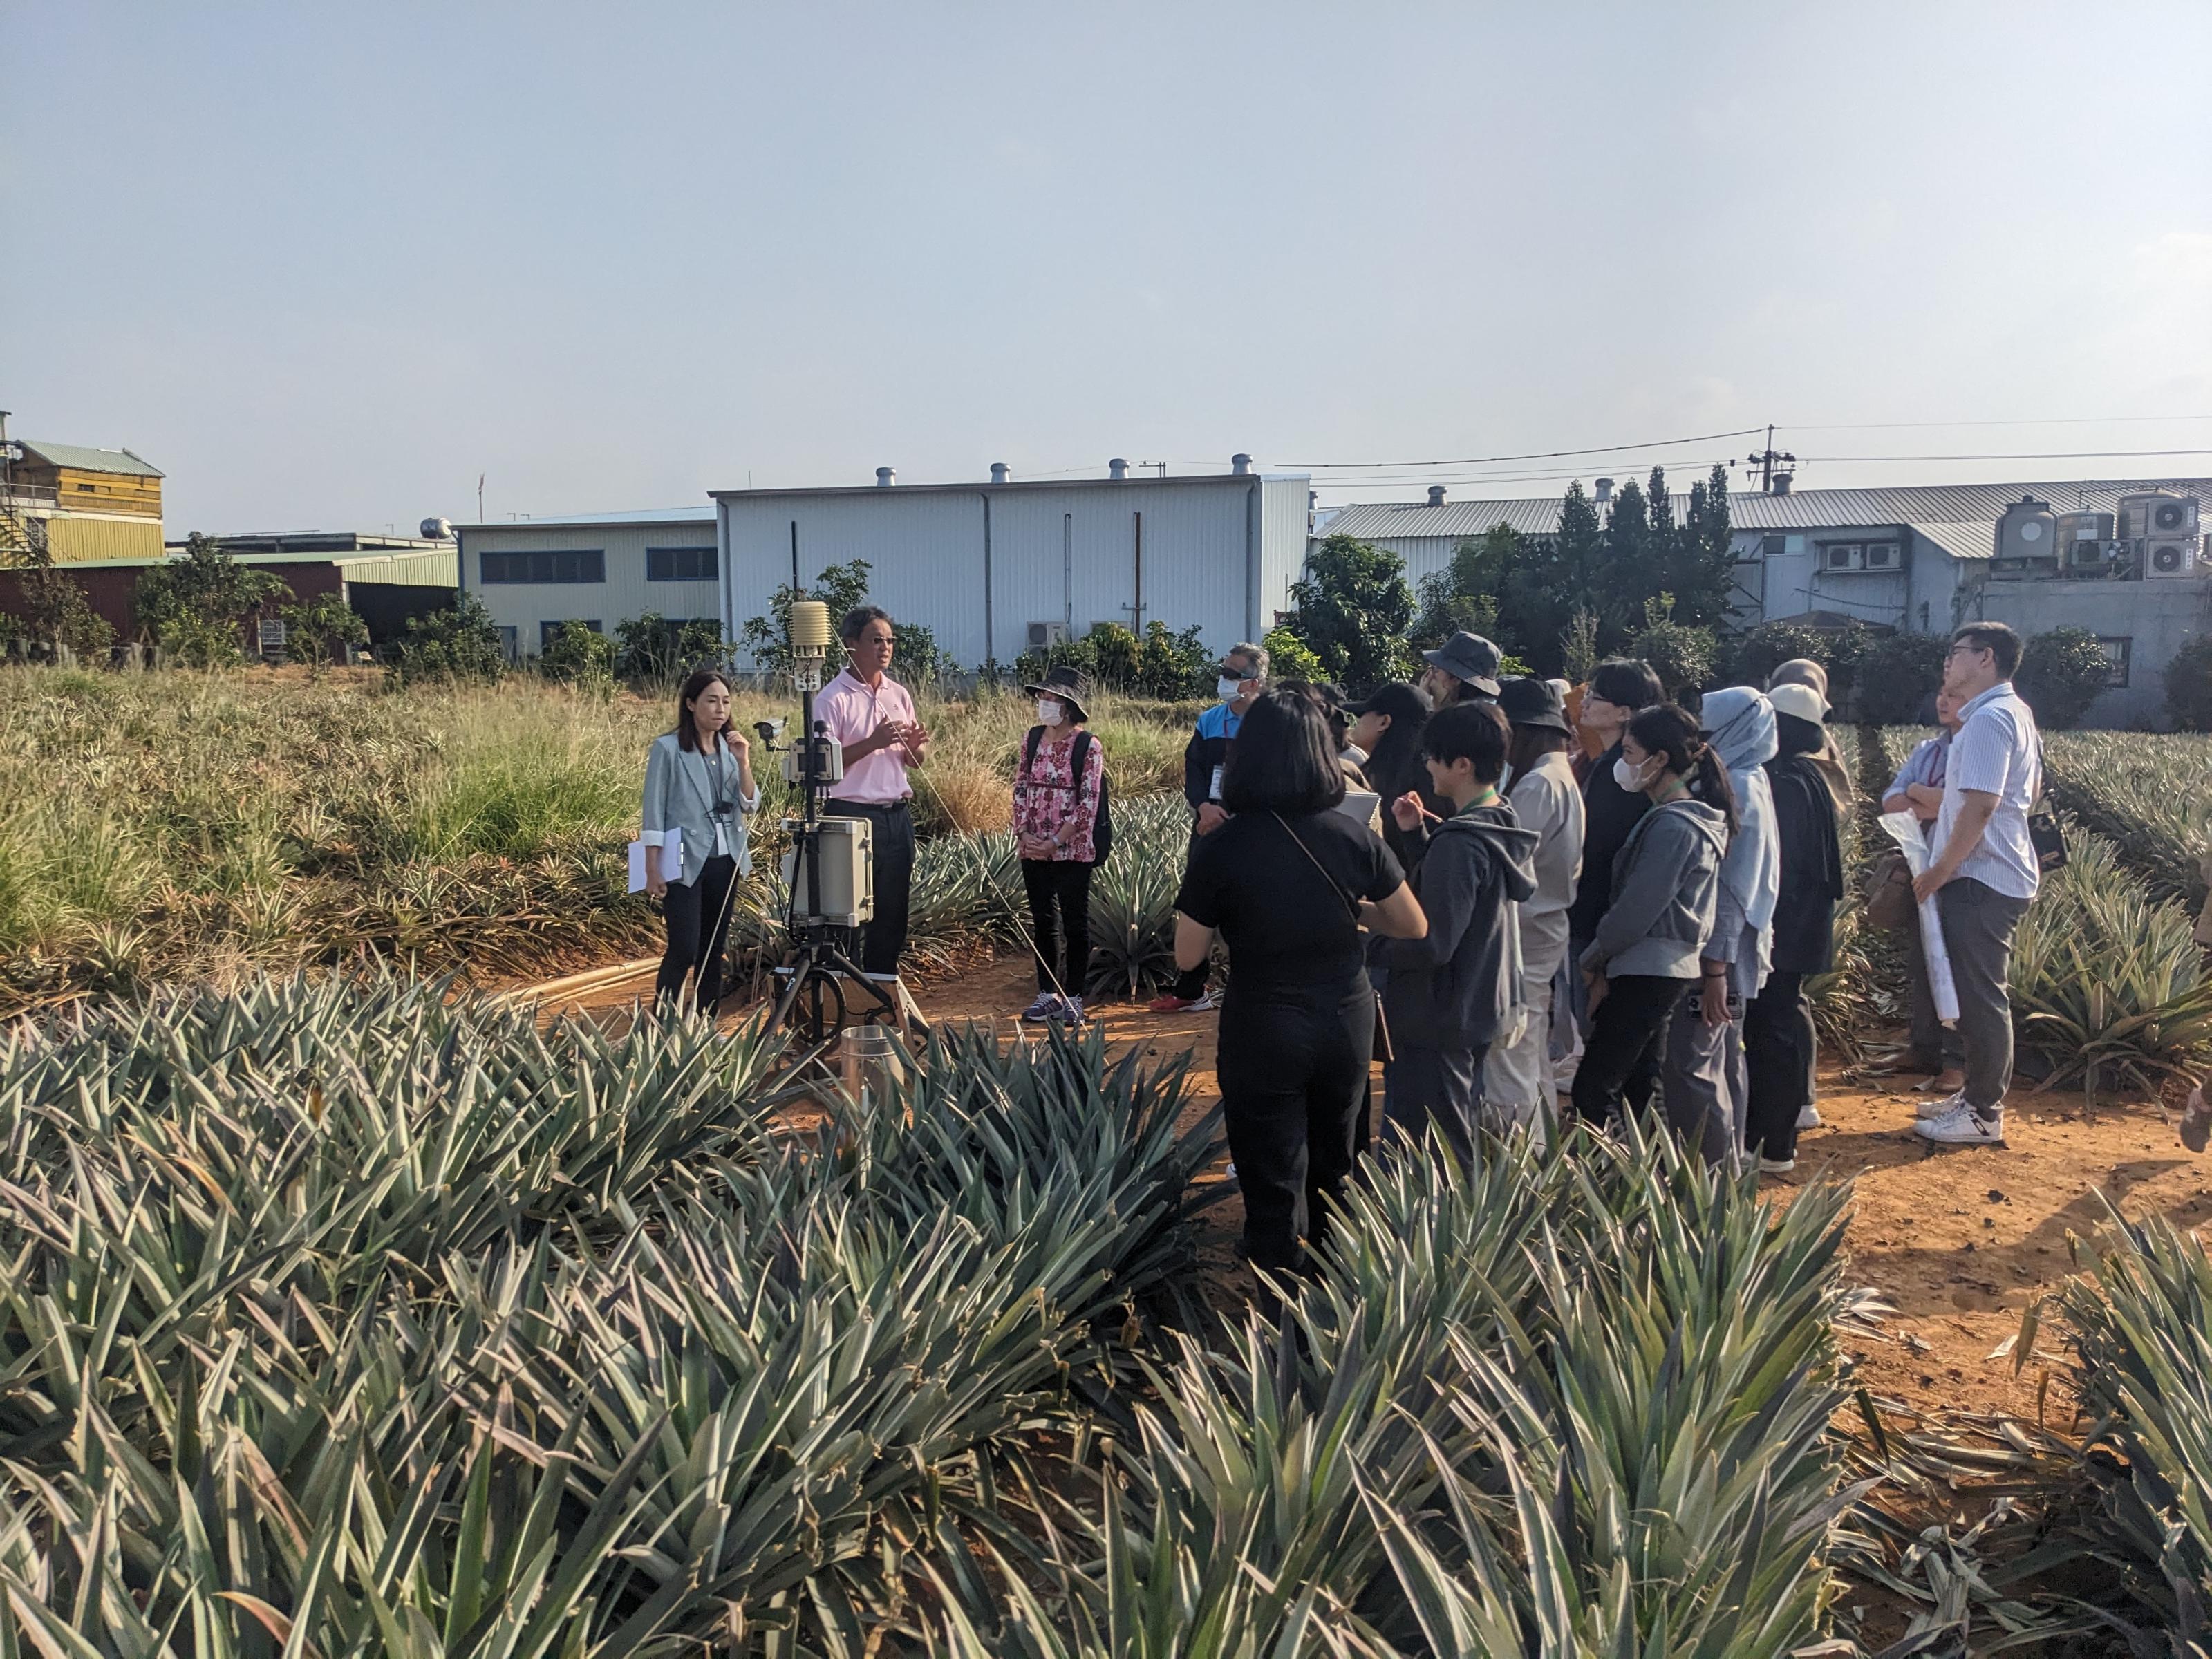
(1350, 904)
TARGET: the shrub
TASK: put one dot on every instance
(311, 630)
(1164, 664)
(2060, 674)
(2189, 684)
(1898, 676)
(1289, 659)
(651, 647)
(194, 605)
(1353, 611)
(458, 645)
(575, 654)
(60, 617)
(1680, 655)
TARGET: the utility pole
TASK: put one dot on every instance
(1765, 460)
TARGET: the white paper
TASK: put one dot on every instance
(1359, 804)
(1905, 829)
(671, 860)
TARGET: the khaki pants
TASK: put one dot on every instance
(1517, 1082)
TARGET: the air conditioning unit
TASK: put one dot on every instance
(2084, 555)
(1843, 556)
(1043, 635)
(1884, 556)
(2173, 555)
(2085, 527)
(2158, 514)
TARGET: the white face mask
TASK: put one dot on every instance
(1629, 778)
(1229, 690)
(1050, 711)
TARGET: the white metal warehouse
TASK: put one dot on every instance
(996, 567)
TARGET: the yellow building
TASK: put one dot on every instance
(84, 503)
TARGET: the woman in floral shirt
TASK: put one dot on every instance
(1057, 791)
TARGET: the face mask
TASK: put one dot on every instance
(1049, 711)
(1629, 778)
(1229, 691)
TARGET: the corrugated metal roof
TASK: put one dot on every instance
(85, 460)
(1957, 517)
(1026, 485)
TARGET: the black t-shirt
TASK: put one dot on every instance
(1288, 924)
(1609, 812)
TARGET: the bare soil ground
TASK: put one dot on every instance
(1958, 1241)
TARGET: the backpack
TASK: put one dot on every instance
(1102, 831)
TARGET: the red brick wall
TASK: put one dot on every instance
(110, 589)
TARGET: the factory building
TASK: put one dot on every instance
(1000, 567)
(600, 570)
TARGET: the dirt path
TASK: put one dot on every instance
(1958, 1242)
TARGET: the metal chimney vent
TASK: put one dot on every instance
(886, 478)
(1240, 466)
(1000, 472)
(1435, 495)
(1118, 469)
(1604, 491)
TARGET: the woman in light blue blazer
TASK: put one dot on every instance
(699, 787)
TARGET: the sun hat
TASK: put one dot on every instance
(1071, 685)
(1533, 702)
(1802, 701)
(1467, 657)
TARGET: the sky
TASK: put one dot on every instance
(325, 266)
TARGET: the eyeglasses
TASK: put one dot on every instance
(1962, 645)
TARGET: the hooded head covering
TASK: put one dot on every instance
(1739, 722)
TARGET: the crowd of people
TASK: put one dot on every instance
(1528, 899)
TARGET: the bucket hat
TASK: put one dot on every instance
(1071, 685)
(1467, 657)
(1533, 702)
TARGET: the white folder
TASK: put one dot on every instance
(671, 860)
(1942, 989)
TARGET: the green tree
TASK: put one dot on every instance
(1627, 575)
(1289, 659)
(1701, 570)
(2189, 684)
(1353, 610)
(457, 645)
(575, 654)
(58, 619)
(1682, 655)
(316, 631)
(1898, 676)
(1556, 577)
(1664, 536)
(1464, 595)
(2061, 673)
(651, 647)
(1578, 652)
(916, 658)
(1759, 651)
(196, 605)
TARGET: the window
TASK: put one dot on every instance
(566, 565)
(679, 564)
(1772, 546)
(2118, 652)
(510, 644)
(546, 630)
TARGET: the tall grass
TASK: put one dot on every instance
(173, 826)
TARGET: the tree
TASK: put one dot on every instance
(194, 605)
(1664, 535)
(315, 631)
(2189, 684)
(1759, 651)
(1163, 663)
(1626, 576)
(2061, 673)
(1464, 595)
(577, 655)
(1682, 656)
(461, 644)
(1898, 676)
(1701, 573)
(916, 658)
(651, 647)
(1353, 610)
(1578, 652)
(1556, 576)
(1289, 659)
(58, 617)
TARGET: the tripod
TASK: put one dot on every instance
(819, 960)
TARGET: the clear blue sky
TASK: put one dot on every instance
(325, 264)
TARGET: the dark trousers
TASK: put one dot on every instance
(1293, 1074)
(1439, 1089)
(698, 917)
(1932, 1042)
(1977, 928)
(1059, 922)
(1778, 1054)
(883, 941)
(1627, 1036)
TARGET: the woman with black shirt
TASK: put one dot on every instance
(1288, 881)
(1617, 690)
(1389, 726)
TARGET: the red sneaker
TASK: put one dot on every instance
(1172, 1003)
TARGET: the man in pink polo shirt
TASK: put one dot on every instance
(872, 717)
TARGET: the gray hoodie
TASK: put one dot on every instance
(1666, 886)
(1459, 985)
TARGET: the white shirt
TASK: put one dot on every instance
(1547, 800)
(1997, 752)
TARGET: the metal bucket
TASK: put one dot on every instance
(871, 1061)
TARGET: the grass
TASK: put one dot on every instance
(171, 827)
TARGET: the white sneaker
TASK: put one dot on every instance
(1777, 1165)
(1810, 1117)
(1929, 1110)
(1963, 1125)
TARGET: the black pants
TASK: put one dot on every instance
(883, 941)
(1294, 1072)
(698, 917)
(1627, 1036)
(1190, 982)
(1059, 922)
(1778, 1057)
(1439, 1089)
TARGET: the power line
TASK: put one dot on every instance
(1538, 455)
(2053, 420)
